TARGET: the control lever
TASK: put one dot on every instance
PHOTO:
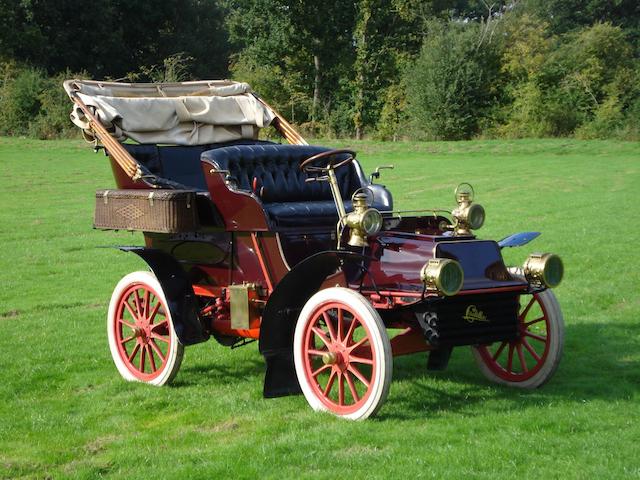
(376, 174)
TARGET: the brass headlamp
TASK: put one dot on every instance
(363, 221)
(543, 270)
(468, 215)
(442, 275)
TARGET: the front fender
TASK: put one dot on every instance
(281, 313)
(178, 291)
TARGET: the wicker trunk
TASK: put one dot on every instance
(161, 211)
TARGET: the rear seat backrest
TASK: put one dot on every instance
(179, 164)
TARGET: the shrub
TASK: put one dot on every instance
(452, 85)
(20, 98)
(33, 104)
(53, 119)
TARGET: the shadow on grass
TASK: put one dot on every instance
(213, 372)
(596, 365)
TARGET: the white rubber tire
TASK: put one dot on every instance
(382, 354)
(556, 344)
(175, 349)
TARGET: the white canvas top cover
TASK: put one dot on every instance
(187, 113)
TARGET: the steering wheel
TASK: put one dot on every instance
(307, 166)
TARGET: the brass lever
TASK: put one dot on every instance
(376, 174)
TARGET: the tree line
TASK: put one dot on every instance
(389, 69)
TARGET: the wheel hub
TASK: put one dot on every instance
(331, 358)
(143, 332)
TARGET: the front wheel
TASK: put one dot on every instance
(342, 354)
(533, 358)
(143, 342)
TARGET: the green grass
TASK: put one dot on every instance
(65, 412)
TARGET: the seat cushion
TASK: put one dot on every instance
(314, 213)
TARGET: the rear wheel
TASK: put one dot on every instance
(533, 358)
(143, 342)
(342, 354)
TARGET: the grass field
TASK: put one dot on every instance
(65, 412)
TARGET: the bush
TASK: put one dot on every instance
(452, 84)
(33, 104)
(581, 83)
(20, 98)
(53, 119)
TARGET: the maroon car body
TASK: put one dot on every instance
(271, 258)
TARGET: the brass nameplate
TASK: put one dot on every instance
(239, 299)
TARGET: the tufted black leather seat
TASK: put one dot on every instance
(177, 163)
(272, 173)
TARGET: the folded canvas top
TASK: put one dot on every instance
(187, 113)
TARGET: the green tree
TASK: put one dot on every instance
(453, 83)
(114, 39)
(310, 42)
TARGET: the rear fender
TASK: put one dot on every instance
(281, 314)
(178, 291)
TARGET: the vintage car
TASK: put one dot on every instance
(294, 246)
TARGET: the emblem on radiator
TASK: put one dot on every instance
(474, 315)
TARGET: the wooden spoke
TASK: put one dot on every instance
(134, 351)
(151, 359)
(510, 359)
(155, 346)
(352, 387)
(332, 378)
(321, 336)
(354, 359)
(536, 337)
(499, 351)
(323, 368)
(530, 349)
(358, 375)
(523, 364)
(524, 312)
(329, 323)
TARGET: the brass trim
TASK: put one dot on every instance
(431, 275)
(355, 220)
(535, 269)
(239, 302)
(330, 358)
(462, 213)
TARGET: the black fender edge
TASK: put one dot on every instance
(281, 314)
(178, 291)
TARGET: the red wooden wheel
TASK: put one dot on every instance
(532, 359)
(143, 342)
(343, 356)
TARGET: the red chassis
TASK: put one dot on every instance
(329, 306)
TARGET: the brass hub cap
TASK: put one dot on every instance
(330, 358)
